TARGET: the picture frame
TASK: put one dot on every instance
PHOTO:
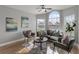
(11, 24)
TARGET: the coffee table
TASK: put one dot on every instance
(40, 41)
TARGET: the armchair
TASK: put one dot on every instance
(28, 34)
(63, 46)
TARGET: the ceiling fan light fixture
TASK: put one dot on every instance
(44, 9)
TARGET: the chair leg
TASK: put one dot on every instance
(41, 46)
(54, 48)
(33, 44)
(69, 52)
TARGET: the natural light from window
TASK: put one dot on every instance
(40, 24)
(54, 20)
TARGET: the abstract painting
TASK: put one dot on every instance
(24, 22)
(11, 24)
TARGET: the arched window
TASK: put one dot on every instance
(54, 20)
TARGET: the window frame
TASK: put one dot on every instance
(52, 18)
(38, 25)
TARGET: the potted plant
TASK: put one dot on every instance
(70, 28)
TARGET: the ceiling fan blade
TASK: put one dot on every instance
(49, 8)
(42, 6)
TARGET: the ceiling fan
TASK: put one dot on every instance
(44, 8)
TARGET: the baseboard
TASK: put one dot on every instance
(7, 43)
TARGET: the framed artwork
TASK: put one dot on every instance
(24, 22)
(11, 24)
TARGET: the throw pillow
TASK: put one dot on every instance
(66, 40)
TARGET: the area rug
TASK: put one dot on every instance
(37, 50)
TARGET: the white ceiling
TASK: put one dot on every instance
(33, 8)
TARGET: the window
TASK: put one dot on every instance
(40, 24)
(69, 19)
(54, 20)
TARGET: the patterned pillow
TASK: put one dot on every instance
(66, 40)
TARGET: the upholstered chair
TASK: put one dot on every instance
(65, 47)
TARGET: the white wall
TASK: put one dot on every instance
(41, 16)
(9, 12)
